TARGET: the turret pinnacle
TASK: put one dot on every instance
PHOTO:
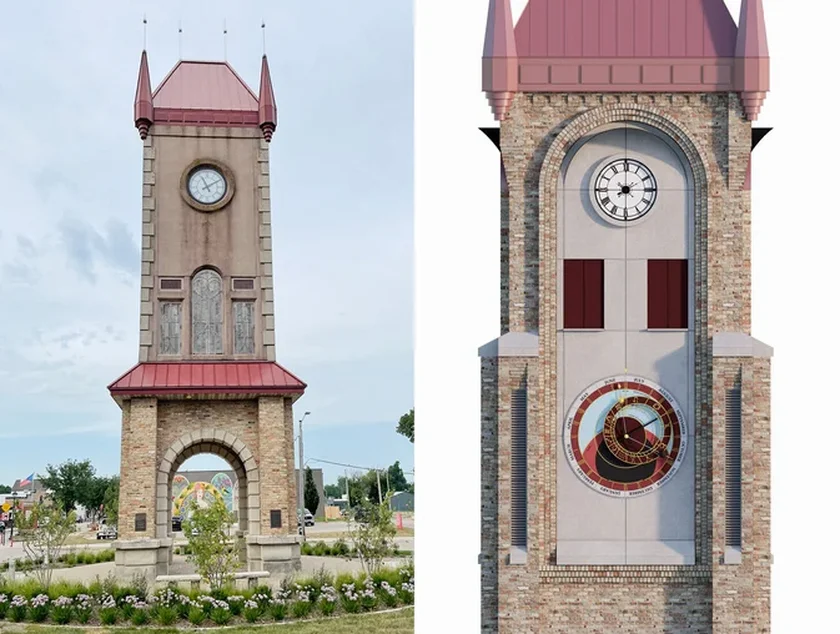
(499, 63)
(752, 66)
(143, 110)
(268, 107)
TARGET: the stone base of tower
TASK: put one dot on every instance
(276, 554)
(145, 558)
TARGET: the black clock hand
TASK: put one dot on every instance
(627, 432)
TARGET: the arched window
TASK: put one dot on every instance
(207, 312)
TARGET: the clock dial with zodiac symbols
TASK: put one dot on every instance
(625, 436)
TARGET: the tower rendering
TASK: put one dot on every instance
(207, 380)
(625, 406)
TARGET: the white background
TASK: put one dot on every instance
(796, 217)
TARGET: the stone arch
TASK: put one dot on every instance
(559, 144)
(228, 447)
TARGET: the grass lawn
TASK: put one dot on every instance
(401, 622)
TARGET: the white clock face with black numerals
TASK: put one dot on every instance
(624, 190)
(207, 185)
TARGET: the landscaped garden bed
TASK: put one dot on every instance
(65, 560)
(107, 603)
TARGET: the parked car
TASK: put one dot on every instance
(307, 518)
(176, 523)
(106, 532)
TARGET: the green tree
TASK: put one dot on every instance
(111, 501)
(333, 490)
(358, 490)
(310, 493)
(5, 488)
(70, 482)
(43, 531)
(405, 426)
(373, 539)
(396, 477)
(212, 551)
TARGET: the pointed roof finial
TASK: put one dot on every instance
(143, 110)
(752, 69)
(263, 34)
(224, 36)
(268, 107)
(145, 22)
(499, 63)
(180, 41)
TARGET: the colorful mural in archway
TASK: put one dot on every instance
(184, 491)
(198, 492)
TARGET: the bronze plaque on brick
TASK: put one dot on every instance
(276, 519)
(140, 522)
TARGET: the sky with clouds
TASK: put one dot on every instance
(70, 192)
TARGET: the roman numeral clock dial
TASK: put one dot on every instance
(625, 436)
(624, 190)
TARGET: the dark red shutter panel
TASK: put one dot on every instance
(573, 294)
(657, 292)
(677, 294)
(593, 293)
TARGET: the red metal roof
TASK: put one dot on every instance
(204, 86)
(206, 377)
(570, 46)
(626, 28)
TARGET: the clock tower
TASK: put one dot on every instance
(207, 380)
(626, 406)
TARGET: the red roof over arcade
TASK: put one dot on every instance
(206, 377)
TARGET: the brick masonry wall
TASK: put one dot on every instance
(138, 466)
(535, 139)
(147, 263)
(275, 493)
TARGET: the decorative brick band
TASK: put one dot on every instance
(625, 574)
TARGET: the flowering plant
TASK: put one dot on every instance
(279, 605)
(17, 608)
(253, 610)
(39, 608)
(328, 600)
(235, 602)
(302, 604)
(368, 596)
(139, 613)
(84, 607)
(4, 605)
(388, 594)
(108, 612)
(62, 610)
(220, 612)
(350, 598)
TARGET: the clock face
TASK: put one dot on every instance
(624, 190)
(207, 185)
(625, 436)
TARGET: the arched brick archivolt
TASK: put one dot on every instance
(228, 447)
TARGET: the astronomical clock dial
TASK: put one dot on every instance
(625, 436)
(207, 185)
(624, 190)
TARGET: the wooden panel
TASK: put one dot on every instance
(573, 294)
(677, 294)
(657, 289)
(593, 293)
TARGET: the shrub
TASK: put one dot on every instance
(196, 614)
(62, 610)
(350, 599)
(328, 599)
(4, 605)
(39, 608)
(252, 611)
(235, 602)
(127, 606)
(84, 607)
(220, 614)
(140, 613)
(17, 608)
(69, 559)
(340, 548)
(388, 594)
(368, 597)
(279, 605)
(320, 549)
(108, 612)
(105, 555)
(166, 615)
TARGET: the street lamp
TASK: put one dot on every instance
(300, 475)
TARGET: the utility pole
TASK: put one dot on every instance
(379, 486)
(387, 482)
(300, 477)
